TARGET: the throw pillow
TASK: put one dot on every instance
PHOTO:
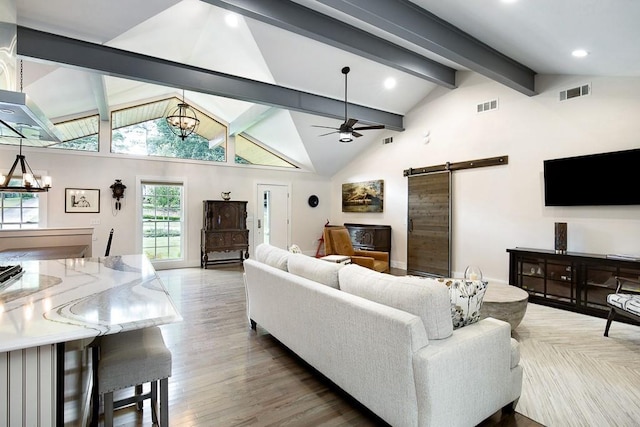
(273, 256)
(295, 249)
(466, 300)
(315, 269)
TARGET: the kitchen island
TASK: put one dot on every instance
(60, 304)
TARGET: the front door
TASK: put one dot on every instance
(272, 215)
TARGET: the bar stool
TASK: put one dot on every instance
(131, 359)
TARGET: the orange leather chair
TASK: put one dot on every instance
(338, 242)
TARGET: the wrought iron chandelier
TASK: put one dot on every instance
(29, 182)
(183, 121)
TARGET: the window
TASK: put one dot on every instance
(19, 210)
(79, 134)
(249, 152)
(162, 224)
(143, 130)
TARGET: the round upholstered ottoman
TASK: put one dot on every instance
(504, 302)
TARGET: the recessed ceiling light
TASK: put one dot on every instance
(579, 53)
(231, 19)
(389, 83)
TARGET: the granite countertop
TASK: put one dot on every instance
(69, 299)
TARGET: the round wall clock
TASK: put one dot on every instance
(313, 201)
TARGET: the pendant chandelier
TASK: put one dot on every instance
(29, 182)
(183, 121)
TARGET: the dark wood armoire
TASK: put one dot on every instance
(224, 229)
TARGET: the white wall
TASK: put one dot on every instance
(496, 208)
(204, 181)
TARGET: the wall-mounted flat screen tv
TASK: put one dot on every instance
(593, 180)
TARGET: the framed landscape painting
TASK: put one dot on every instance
(364, 196)
(81, 200)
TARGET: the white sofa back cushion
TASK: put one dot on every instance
(428, 300)
(315, 269)
(273, 256)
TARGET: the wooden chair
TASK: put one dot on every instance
(626, 304)
(338, 242)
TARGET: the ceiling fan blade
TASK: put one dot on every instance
(325, 134)
(325, 127)
(369, 127)
(356, 134)
(349, 123)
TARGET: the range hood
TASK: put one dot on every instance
(21, 118)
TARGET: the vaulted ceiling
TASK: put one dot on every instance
(275, 73)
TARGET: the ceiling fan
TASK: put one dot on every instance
(346, 130)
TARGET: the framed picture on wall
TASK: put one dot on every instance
(367, 196)
(81, 200)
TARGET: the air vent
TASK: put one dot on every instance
(575, 92)
(387, 140)
(487, 106)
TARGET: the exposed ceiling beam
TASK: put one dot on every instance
(253, 115)
(121, 63)
(100, 94)
(410, 22)
(309, 23)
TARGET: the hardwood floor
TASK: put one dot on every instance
(225, 374)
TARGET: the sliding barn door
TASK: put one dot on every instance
(429, 224)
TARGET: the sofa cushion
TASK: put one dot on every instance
(272, 256)
(428, 300)
(315, 269)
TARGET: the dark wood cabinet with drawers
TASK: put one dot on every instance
(573, 281)
(224, 229)
(370, 237)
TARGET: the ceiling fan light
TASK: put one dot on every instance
(346, 137)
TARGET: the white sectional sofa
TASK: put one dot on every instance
(387, 341)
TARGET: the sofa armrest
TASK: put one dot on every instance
(474, 362)
(378, 255)
(364, 261)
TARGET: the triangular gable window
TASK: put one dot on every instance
(249, 152)
(79, 134)
(143, 130)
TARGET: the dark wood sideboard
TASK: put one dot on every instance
(572, 281)
(224, 229)
(368, 237)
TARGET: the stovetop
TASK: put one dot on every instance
(9, 272)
